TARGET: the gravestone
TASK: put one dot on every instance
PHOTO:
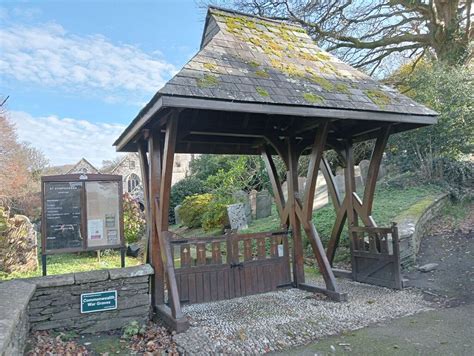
(321, 195)
(301, 185)
(253, 202)
(242, 197)
(237, 216)
(263, 204)
(364, 169)
(340, 184)
(177, 217)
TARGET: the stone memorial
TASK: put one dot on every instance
(263, 204)
(237, 216)
(340, 184)
(301, 185)
(253, 202)
(177, 217)
(242, 197)
(364, 169)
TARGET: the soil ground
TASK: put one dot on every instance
(446, 330)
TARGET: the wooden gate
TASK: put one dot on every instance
(376, 256)
(229, 266)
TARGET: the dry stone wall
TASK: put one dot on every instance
(412, 228)
(56, 301)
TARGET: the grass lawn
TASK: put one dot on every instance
(388, 204)
(75, 262)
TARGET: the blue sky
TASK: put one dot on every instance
(77, 72)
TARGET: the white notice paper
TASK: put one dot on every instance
(95, 229)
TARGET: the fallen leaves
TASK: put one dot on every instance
(46, 344)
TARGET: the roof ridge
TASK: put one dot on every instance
(263, 18)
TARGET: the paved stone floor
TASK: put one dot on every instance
(289, 318)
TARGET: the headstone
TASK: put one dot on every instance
(359, 182)
(301, 186)
(237, 216)
(242, 197)
(364, 169)
(340, 184)
(177, 217)
(253, 202)
(263, 204)
(321, 195)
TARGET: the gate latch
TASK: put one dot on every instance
(238, 265)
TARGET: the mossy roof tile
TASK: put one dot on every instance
(237, 49)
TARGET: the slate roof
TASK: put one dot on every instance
(252, 59)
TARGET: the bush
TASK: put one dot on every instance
(456, 176)
(216, 214)
(182, 189)
(193, 209)
(133, 219)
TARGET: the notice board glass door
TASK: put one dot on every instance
(103, 224)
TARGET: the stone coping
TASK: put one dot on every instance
(14, 298)
(413, 226)
(90, 276)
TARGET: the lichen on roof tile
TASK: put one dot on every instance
(247, 52)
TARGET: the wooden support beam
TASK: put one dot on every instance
(374, 167)
(292, 179)
(352, 217)
(304, 209)
(337, 231)
(162, 206)
(331, 185)
(145, 172)
(336, 296)
(275, 182)
(313, 167)
(158, 281)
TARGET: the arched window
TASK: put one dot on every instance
(132, 181)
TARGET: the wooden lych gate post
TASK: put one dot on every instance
(157, 170)
(297, 210)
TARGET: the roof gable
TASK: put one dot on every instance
(83, 166)
(251, 59)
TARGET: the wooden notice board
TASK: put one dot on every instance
(81, 212)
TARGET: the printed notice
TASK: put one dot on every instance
(95, 229)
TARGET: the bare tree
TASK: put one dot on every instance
(368, 34)
(20, 169)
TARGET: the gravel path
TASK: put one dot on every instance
(281, 320)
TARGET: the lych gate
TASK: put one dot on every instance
(262, 87)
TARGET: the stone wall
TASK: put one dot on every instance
(56, 301)
(18, 244)
(14, 326)
(412, 226)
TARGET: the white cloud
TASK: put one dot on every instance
(66, 140)
(50, 56)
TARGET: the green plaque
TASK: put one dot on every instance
(97, 302)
